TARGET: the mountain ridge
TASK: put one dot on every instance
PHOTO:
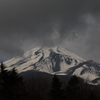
(55, 60)
(39, 54)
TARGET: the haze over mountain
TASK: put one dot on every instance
(55, 60)
(75, 24)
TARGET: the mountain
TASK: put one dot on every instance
(88, 70)
(45, 59)
(55, 60)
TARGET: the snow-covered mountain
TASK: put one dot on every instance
(88, 70)
(55, 60)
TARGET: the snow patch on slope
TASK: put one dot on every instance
(45, 59)
(55, 60)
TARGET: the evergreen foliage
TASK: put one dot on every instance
(56, 91)
(72, 89)
(12, 86)
(74, 81)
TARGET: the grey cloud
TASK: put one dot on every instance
(45, 22)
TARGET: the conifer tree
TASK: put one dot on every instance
(74, 81)
(2, 67)
(12, 86)
(15, 78)
(16, 85)
(4, 76)
(72, 88)
(55, 91)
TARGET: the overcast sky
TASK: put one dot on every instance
(74, 24)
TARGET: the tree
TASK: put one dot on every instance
(14, 77)
(12, 86)
(74, 81)
(2, 67)
(4, 76)
(72, 88)
(55, 91)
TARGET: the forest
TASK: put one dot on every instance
(14, 87)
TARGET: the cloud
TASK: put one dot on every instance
(47, 23)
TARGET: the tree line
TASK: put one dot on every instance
(14, 87)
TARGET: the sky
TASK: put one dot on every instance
(74, 24)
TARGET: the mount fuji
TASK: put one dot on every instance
(55, 60)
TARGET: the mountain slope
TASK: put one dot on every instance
(55, 59)
(88, 70)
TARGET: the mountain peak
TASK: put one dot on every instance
(54, 60)
(56, 49)
(47, 59)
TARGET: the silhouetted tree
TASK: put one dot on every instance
(74, 81)
(4, 76)
(12, 86)
(72, 88)
(15, 78)
(55, 91)
(2, 67)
